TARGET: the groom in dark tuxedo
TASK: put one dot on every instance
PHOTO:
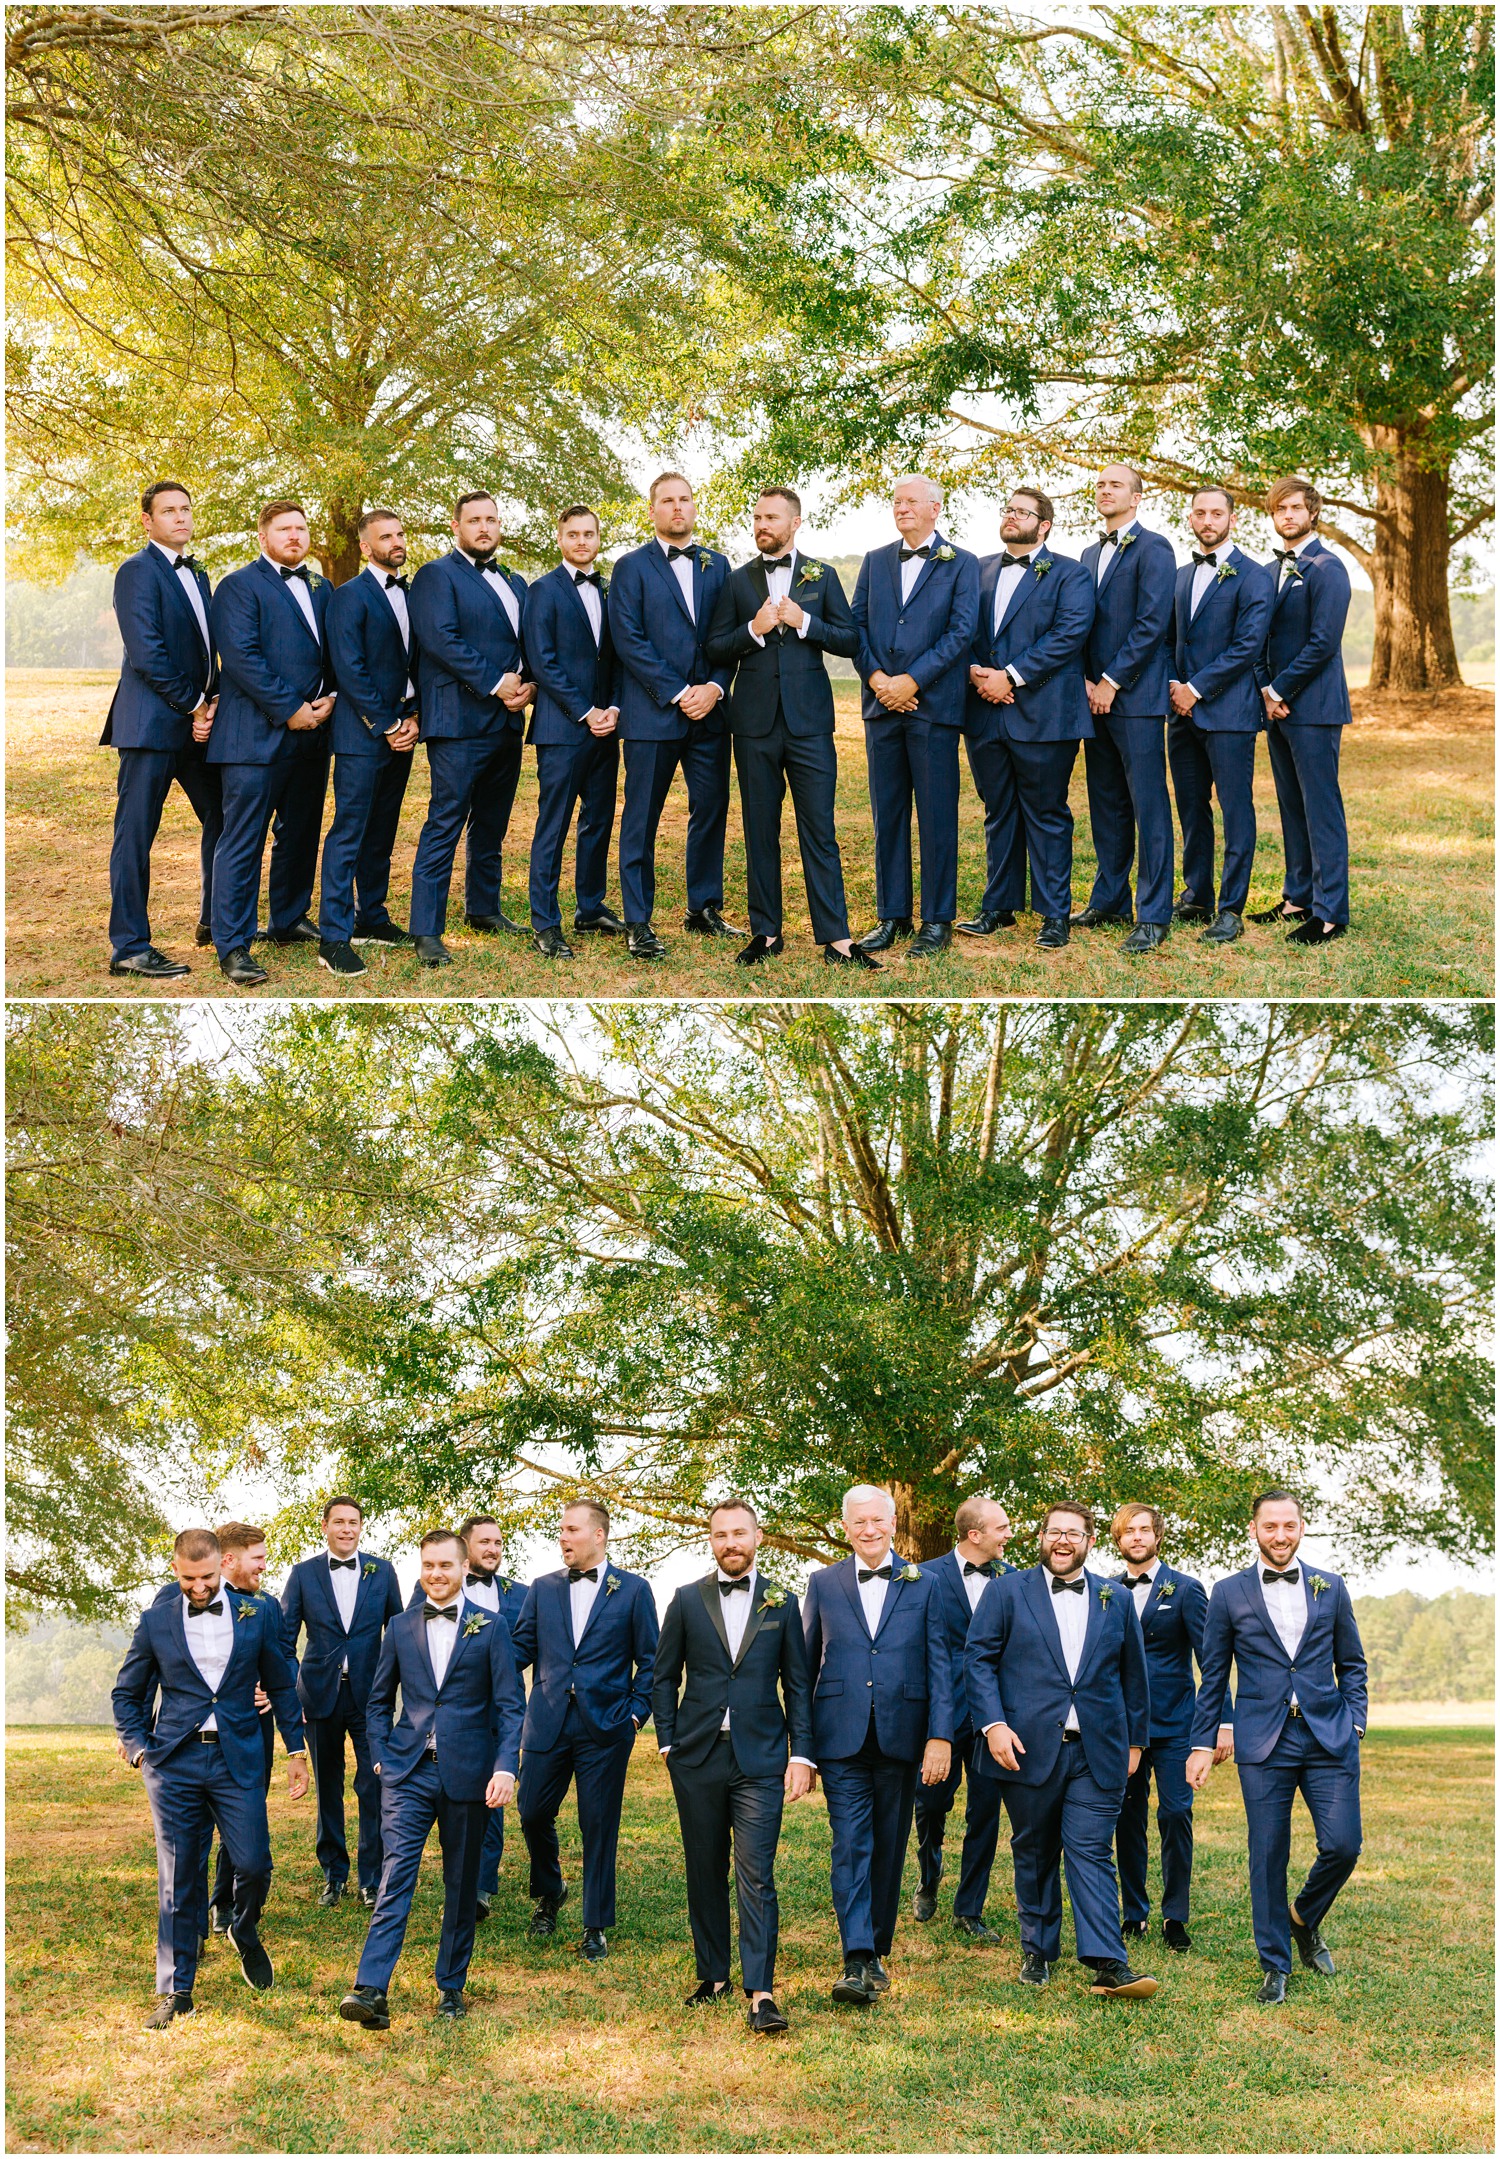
(774, 619)
(738, 1639)
(159, 722)
(1300, 1711)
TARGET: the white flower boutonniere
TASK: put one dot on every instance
(771, 1598)
(909, 1573)
(611, 1584)
(1126, 539)
(475, 1622)
(944, 553)
(1225, 569)
(705, 560)
(1318, 1585)
(1105, 1593)
(808, 573)
(368, 1569)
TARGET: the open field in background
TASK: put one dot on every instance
(1393, 2055)
(1418, 780)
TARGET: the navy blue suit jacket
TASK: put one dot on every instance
(765, 1689)
(1217, 649)
(1304, 654)
(1328, 1676)
(464, 645)
(308, 1601)
(1017, 1675)
(661, 649)
(371, 667)
(269, 663)
(1132, 627)
(1172, 1625)
(786, 673)
(473, 1719)
(607, 1674)
(902, 1675)
(572, 674)
(166, 670)
(928, 636)
(159, 1661)
(1043, 635)
(954, 1614)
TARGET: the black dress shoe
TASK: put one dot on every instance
(923, 1904)
(856, 956)
(888, 931)
(1314, 932)
(1280, 914)
(931, 938)
(432, 952)
(604, 922)
(1176, 1936)
(854, 1987)
(1312, 1949)
(451, 2005)
(1188, 910)
(544, 1916)
(552, 944)
(1224, 928)
(154, 965)
(481, 1910)
(238, 967)
(334, 1893)
(369, 1898)
(1116, 1978)
(167, 2011)
(493, 925)
(708, 922)
(593, 1946)
(254, 1963)
(367, 2006)
(1054, 932)
(707, 1991)
(878, 1976)
(974, 1929)
(219, 1921)
(987, 921)
(1147, 937)
(758, 949)
(203, 934)
(1093, 918)
(766, 2018)
(380, 933)
(1272, 1988)
(340, 959)
(1035, 1970)
(1135, 1930)
(642, 942)
(300, 933)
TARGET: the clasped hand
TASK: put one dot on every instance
(203, 719)
(993, 684)
(776, 615)
(602, 720)
(898, 693)
(311, 715)
(698, 701)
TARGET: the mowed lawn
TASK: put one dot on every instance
(1418, 781)
(1393, 2055)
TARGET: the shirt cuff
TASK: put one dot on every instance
(664, 1751)
(986, 1729)
(495, 692)
(677, 700)
(802, 1758)
(806, 619)
(1274, 694)
(1018, 680)
(1110, 680)
(755, 633)
(1193, 690)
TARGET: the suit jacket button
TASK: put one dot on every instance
(869, 1682)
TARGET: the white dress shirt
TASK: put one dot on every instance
(1141, 1590)
(194, 597)
(1287, 1604)
(682, 570)
(975, 1585)
(911, 571)
(485, 1594)
(778, 585)
(1005, 588)
(1204, 574)
(210, 1641)
(396, 600)
(441, 1636)
(301, 592)
(872, 1595)
(593, 605)
(736, 1608)
(1071, 1613)
(1299, 547)
(1109, 556)
(581, 1595)
(345, 1590)
(501, 587)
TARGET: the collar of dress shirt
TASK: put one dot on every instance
(172, 553)
(1151, 1568)
(887, 1557)
(1020, 561)
(750, 1578)
(491, 565)
(688, 543)
(379, 572)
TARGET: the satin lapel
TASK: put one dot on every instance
(713, 1604)
(1038, 1594)
(754, 1622)
(760, 582)
(280, 584)
(663, 569)
(174, 586)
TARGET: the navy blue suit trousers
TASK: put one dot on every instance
(599, 1767)
(142, 785)
(1205, 762)
(649, 768)
(474, 783)
(189, 1793)
(583, 772)
(1330, 1786)
(367, 797)
(1305, 767)
(408, 1813)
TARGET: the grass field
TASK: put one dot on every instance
(1418, 781)
(1393, 2055)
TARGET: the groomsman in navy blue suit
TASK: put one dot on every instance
(159, 720)
(1171, 1608)
(661, 602)
(589, 1634)
(374, 734)
(882, 1716)
(737, 1745)
(981, 1530)
(492, 1591)
(472, 689)
(575, 727)
(270, 739)
(1026, 712)
(1126, 668)
(1306, 694)
(185, 1712)
(1056, 1672)
(1219, 621)
(1300, 1710)
(344, 1598)
(449, 1757)
(774, 619)
(916, 604)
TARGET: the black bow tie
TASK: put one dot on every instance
(1284, 554)
(583, 1574)
(875, 1574)
(343, 1562)
(440, 1611)
(185, 562)
(299, 572)
(727, 1589)
(1135, 1580)
(1208, 560)
(1109, 539)
(1269, 1574)
(984, 1567)
(775, 562)
(484, 562)
(1058, 1586)
(216, 1607)
(587, 577)
(910, 554)
(480, 1574)
(674, 553)
(401, 581)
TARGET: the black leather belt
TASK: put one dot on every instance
(1067, 1735)
(1294, 1711)
(210, 1739)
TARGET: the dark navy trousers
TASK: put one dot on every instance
(142, 785)
(285, 799)
(768, 765)
(719, 1807)
(189, 1793)
(981, 1829)
(218, 1880)
(408, 1811)
(325, 1746)
(1314, 835)
(1330, 1786)
(581, 773)
(367, 797)
(913, 763)
(1024, 789)
(599, 1767)
(1130, 816)
(1206, 762)
(1167, 1758)
(870, 1797)
(649, 769)
(473, 784)
(1067, 1821)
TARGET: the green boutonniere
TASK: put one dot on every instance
(368, 1569)
(1225, 569)
(808, 573)
(1167, 1588)
(1105, 1593)
(611, 1584)
(475, 1621)
(1041, 565)
(771, 1598)
(705, 560)
(1126, 539)
(944, 553)
(909, 1573)
(244, 1611)
(1318, 1585)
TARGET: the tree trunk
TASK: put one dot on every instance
(339, 555)
(922, 1530)
(1409, 570)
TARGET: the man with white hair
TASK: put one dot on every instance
(916, 604)
(881, 1716)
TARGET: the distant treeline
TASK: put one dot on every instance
(1421, 1649)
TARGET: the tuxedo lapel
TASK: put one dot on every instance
(926, 570)
(663, 569)
(174, 586)
(567, 578)
(1095, 1627)
(462, 1640)
(1112, 554)
(754, 1621)
(323, 1574)
(282, 585)
(561, 1585)
(713, 1604)
(362, 1583)
(1153, 1594)
(850, 1587)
